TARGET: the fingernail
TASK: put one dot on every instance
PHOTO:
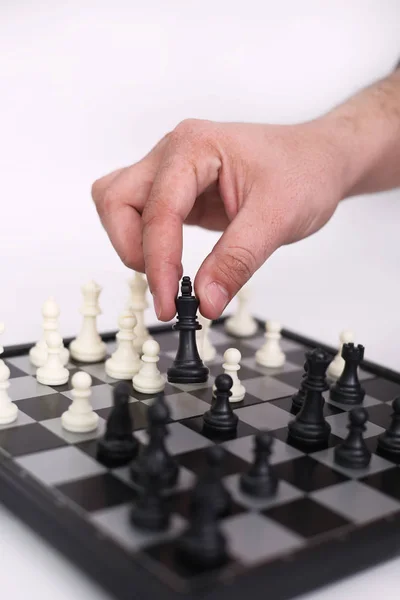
(157, 307)
(217, 296)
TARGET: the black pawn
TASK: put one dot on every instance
(389, 440)
(210, 484)
(310, 428)
(353, 452)
(118, 447)
(298, 397)
(155, 456)
(347, 389)
(151, 511)
(260, 480)
(187, 366)
(203, 545)
(221, 418)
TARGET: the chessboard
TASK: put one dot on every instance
(325, 522)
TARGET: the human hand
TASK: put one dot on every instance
(264, 186)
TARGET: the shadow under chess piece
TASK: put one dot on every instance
(389, 440)
(260, 481)
(118, 446)
(347, 389)
(353, 452)
(310, 428)
(187, 366)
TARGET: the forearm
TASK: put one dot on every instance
(366, 132)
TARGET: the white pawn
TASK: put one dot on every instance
(8, 410)
(149, 379)
(270, 354)
(139, 286)
(125, 361)
(88, 346)
(206, 350)
(50, 314)
(231, 366)
(80, 418)
(242, 324)
(336, 367)
(53, 372)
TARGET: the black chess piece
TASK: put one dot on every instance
(353, 452)
(203, 544)
(118, 446)
(310, 428)
(187, 366)
(389, 440)
(260, 480)
(211, 485)
(151, 511)
(221, 418)
(298, 397)
(347, 389)
(155, 453)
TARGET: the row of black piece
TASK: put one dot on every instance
(155, 473)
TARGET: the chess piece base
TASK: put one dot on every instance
(142, 384)
(271, 362)
(114, 370)
(259, 487)
(389, 445)
(153, 517)
(116, 453)
(82, 354)
(306, 434)
(241, 329)
(48, 378)
(77, 423)
(346, 395)
(355, 459)
(187, 373)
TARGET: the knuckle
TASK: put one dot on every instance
(236, 264)
(108, 203)
(97, 191)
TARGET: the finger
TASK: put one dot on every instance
(119, 198)
(174, 192)
(242, 249)
(208, 212)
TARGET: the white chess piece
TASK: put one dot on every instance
(8, 410)
(139, 286)
(336, 367)
(149, 380)
(231, 366)
(205, 348)
(50, 314)
(80, 418)
(125, 361)
(88, 347)
(242, 324)
(53, 372)
(270, 354)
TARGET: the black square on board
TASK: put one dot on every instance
(98, 492)
(297, 357)
(245, 351)
(387, 482)
(307, 474)
(306, 517)
(14, 371)
(195, 461)
(40, 408)
(292, 378)
(381, 389)
(380, 414)
(286, 404)
(197, 424)
(30, 438)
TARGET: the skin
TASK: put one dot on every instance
(262, 186)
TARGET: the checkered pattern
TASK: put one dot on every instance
(316, 498)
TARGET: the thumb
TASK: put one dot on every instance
(244, 246)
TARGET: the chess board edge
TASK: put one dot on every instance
(128, 577)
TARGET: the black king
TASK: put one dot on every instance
(187, 366)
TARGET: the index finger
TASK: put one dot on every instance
(176, 186)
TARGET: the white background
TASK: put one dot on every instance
(89, 86)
